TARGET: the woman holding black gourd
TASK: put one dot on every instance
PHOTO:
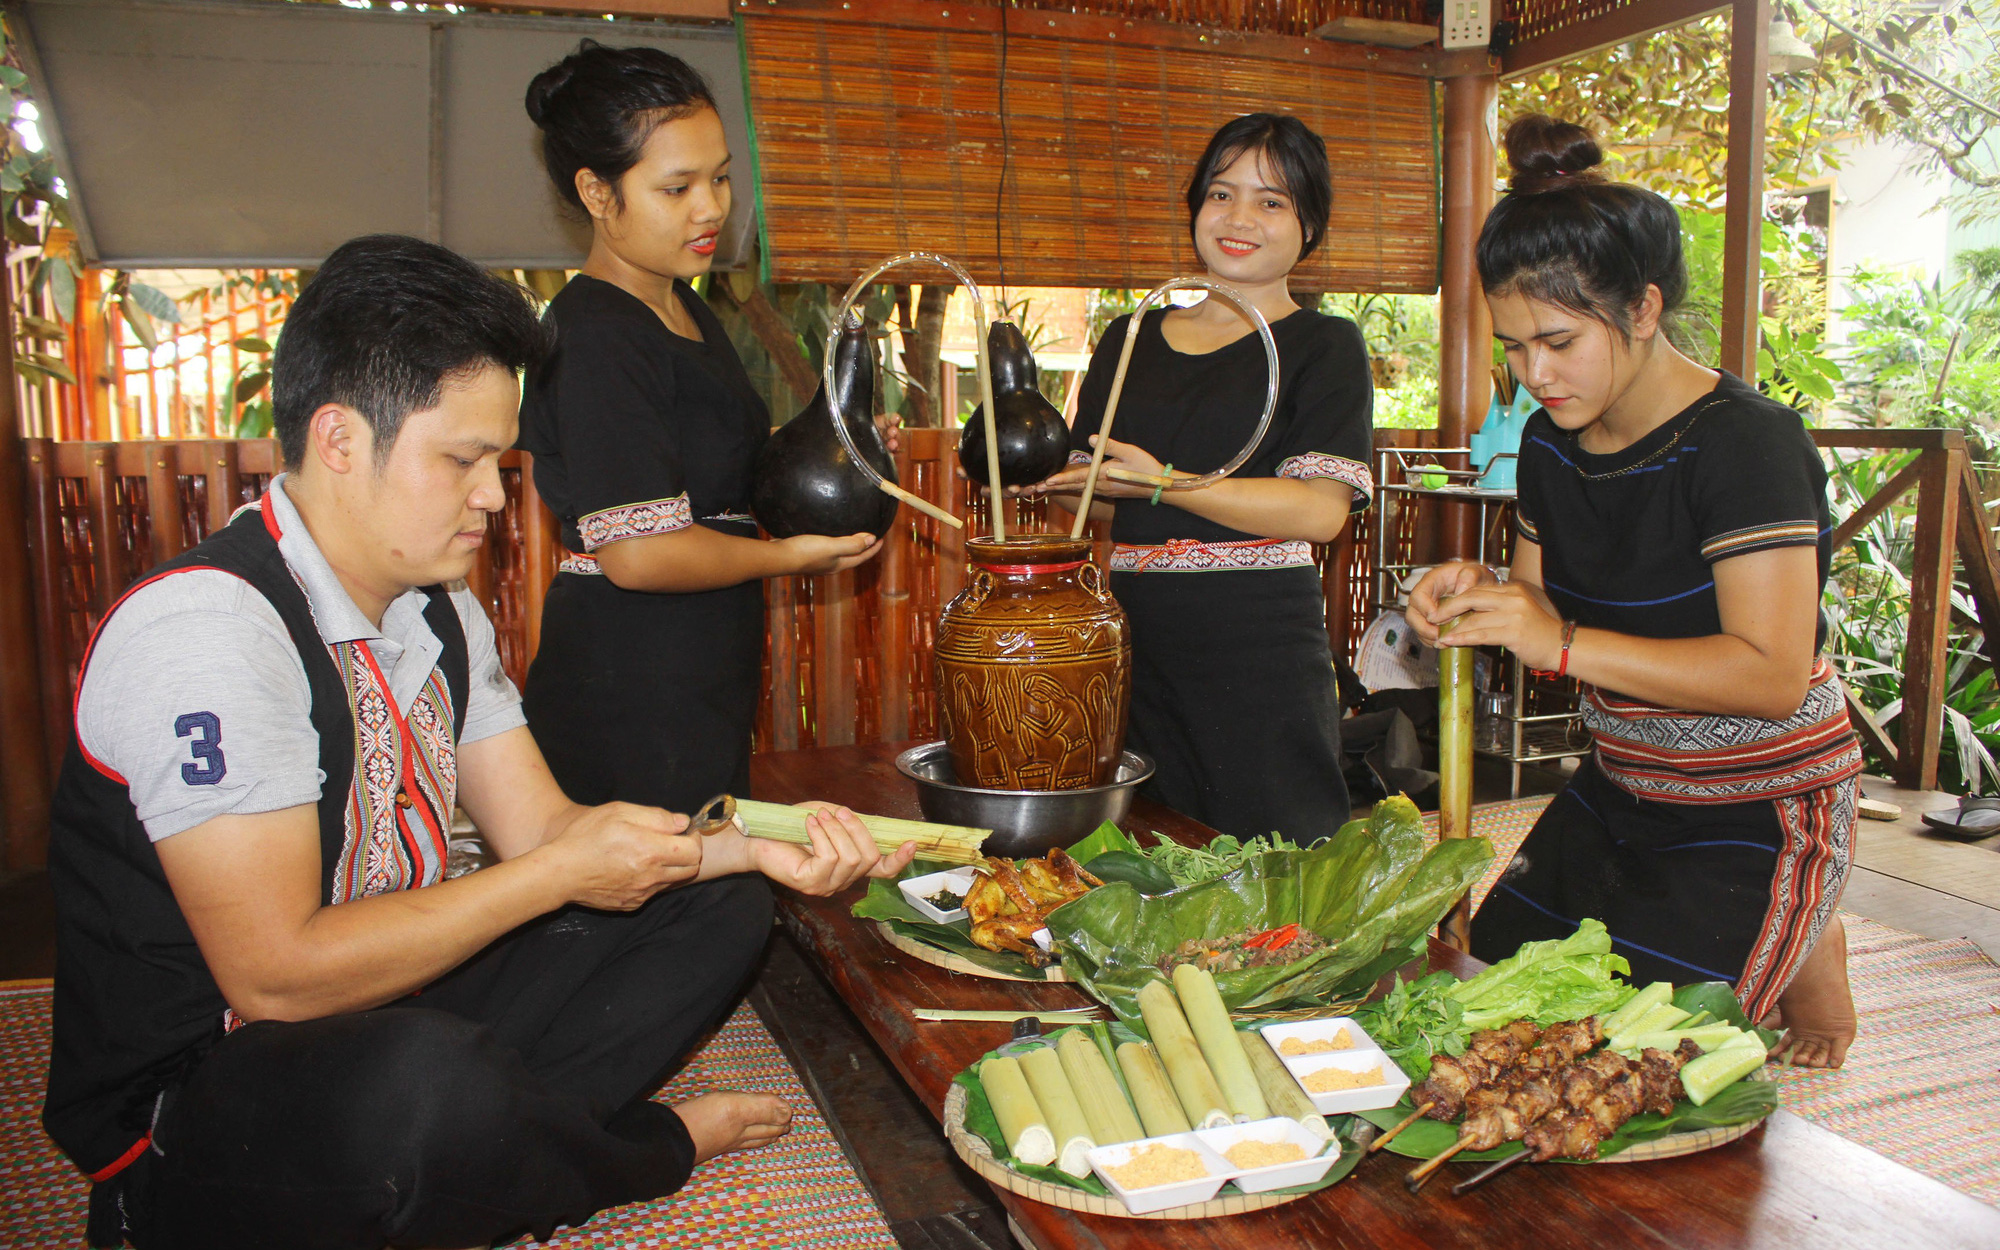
(1232, 676)
(644, 428)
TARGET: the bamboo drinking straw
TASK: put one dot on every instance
(1163, 481)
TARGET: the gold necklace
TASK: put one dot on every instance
(1686, 425)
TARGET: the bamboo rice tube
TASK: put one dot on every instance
(1220, 1043)
(1021, 1120)
(951, 844)
(1053, 1094)
(1455, 765)
(1180, 1054)
(1281, 1088)
(1159, 1109)
(1111, 1118)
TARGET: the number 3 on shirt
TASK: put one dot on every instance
(206, 730)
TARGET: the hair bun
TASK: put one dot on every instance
(1546, 153)
(545, 86)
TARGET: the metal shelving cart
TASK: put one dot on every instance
(1534, 719)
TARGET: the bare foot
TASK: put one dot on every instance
(720, 1123)
(1817, 1008)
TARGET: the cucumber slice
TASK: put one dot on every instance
(1655, 1020)
(1709, 1037)
(1707, 1076)
(1637, 1005)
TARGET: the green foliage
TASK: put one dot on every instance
(1867, 606)
(1927, 354)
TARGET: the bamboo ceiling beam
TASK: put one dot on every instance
(929, 16)
(681, 10)
(1623, 24)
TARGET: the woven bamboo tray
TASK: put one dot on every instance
(926, 953)
(978, 1156)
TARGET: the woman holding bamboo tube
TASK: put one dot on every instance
(1672, 544)
(644, 428)
(1232, 678)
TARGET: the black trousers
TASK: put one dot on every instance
(511, 1096)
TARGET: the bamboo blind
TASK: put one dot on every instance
(877, 136)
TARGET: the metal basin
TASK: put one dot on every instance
(1024, 822)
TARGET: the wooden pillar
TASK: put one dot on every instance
(1743, 225)
(24, 763)
(1927, 650)
(1465, 348)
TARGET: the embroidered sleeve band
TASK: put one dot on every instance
(1758, 537)
(635, 520)
(1527, 527)
(1340, 469)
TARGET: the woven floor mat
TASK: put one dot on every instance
(799, 1193)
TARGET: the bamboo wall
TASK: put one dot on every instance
(1055, 151)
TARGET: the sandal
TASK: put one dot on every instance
(1975, 818)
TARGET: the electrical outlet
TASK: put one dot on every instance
(1467, 24)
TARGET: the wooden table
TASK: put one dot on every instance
(1790, 1184)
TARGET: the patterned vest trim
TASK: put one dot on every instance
(135, 1005)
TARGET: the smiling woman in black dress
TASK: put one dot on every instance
(1232, 676)
(644, 428)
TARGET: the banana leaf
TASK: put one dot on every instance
(1371, 891)
(979, 1120)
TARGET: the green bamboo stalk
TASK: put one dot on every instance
(951, 844)
(1455, 761)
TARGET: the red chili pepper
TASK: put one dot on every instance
(1281, 938)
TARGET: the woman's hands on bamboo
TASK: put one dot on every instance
(1486, 613)
(842, 853)
(1128, 456)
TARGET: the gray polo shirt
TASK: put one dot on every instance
(196, 696)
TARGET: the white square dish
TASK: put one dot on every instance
(1320, 1153)
(1346, 1101)
(916, 890)
(1316, 1030)
(1160, 1197)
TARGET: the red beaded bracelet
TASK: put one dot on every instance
(1562, 666)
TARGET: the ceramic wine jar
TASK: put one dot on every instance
(1034, 668)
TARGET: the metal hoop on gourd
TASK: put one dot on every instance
(1162, 481)
(854, 292)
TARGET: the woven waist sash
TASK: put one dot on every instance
(1693, 757)
(1187, 555)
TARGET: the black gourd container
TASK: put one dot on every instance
(804, 481)
(1033, 438)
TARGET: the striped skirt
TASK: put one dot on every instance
(1713, 848)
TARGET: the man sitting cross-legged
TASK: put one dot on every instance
(276, 1024)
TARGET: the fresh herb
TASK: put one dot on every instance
(1223, 854)
(1415, 1021)
(946, 899)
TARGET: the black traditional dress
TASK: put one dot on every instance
(635, 430)
(1713, 847)
(1232, 678)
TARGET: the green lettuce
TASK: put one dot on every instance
(1560, 979)
(1371, 891)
